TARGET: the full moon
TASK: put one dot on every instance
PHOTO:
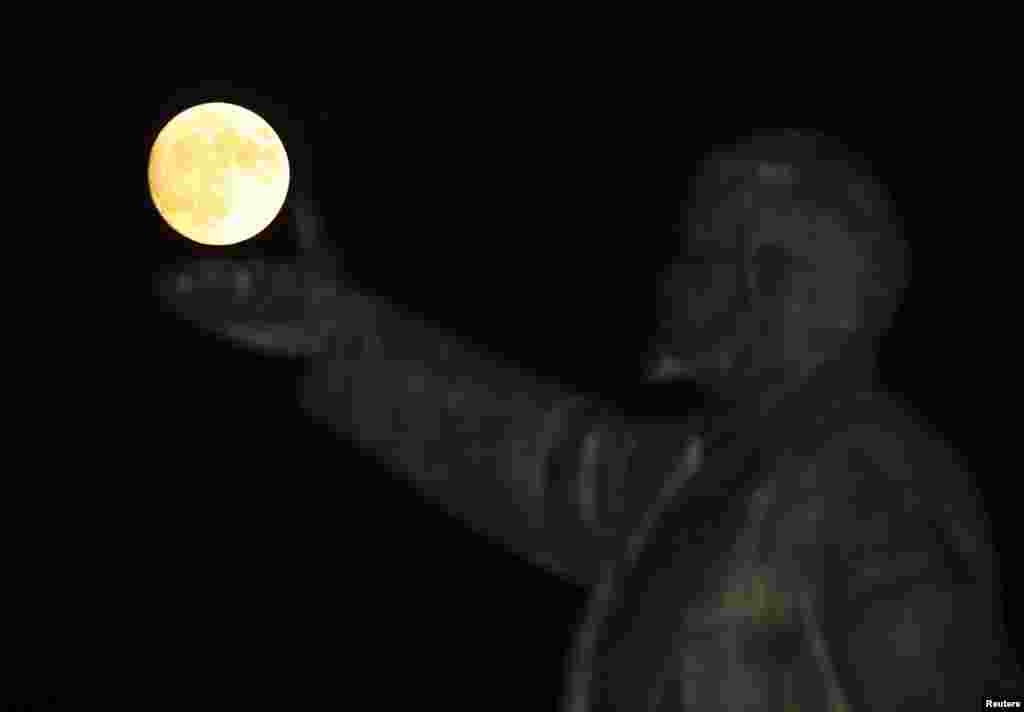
(218, 173)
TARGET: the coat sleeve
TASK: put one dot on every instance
(521, 459)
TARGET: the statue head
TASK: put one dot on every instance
(790, 257)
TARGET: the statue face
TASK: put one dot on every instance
(765, 286)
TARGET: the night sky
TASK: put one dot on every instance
(530, 218)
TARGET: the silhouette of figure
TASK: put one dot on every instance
(804, 542)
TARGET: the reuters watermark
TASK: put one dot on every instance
(996, 704)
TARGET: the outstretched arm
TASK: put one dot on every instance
(557, 477)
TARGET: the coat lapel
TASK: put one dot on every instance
(684, 552)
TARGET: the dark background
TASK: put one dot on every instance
(531, 214)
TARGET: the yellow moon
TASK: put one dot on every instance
(218, 173)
